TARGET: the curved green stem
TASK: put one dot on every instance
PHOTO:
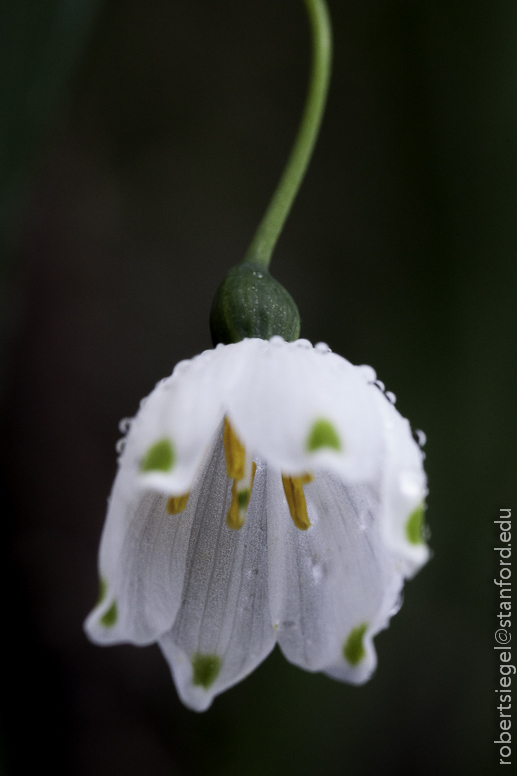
(274, 218)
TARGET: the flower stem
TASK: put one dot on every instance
(274, 218)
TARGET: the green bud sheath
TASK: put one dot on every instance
(251, 303)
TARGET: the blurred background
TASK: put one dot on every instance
(141, 140)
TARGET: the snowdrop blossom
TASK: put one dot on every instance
(267, 492)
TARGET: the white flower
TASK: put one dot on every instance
(267, 491)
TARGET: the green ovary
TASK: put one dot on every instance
(415, 526)
(205, 669)
(323, 434)
(243, 498)
(159, 458)
(353, 649)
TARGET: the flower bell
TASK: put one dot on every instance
(267, 491)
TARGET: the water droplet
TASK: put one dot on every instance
(125, 425)
(317, 572)
(391, 397)
(276, 340)
(119, 447)
(410, 484)
(322, 347)
(181, 366)
(397, 605)
(380, 385)
(420, 437)
(304, 343)
(143, 402)
(368, 373)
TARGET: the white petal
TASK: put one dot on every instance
(224, 616)
(142, 560)
(184, 411)
(288, 389)
(332, 580)
(403, 487)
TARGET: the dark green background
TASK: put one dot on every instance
(141, 145)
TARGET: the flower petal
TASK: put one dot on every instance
(403, 489)
(223, 629)
(171, 433)
(303, 409)
(142, 559)
(334, 585)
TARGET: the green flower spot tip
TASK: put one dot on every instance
(415, 526)
(323, 434)
(103, 589)
(206, 669)
(159, 458)
(353, 649)
(110, 617)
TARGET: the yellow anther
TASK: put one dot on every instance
(240, 499)
(293, 489)
(177, 504)
(234, 452)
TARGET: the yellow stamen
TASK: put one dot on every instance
(293, 489)
(177, 504)
(240, 501)
(234, 451)
(233, 518)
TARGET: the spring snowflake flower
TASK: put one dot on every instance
(267, 492)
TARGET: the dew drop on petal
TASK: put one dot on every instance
(367, 372)
(322, 347)
(181, 367)
(304, 343)
(420, 437)
(125, 425)
(380, 385)
(397, 605)
(410, 484)
(391, 397)
(119, 447)
(317, 573)
(276, 340)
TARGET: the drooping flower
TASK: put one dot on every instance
(267, 492)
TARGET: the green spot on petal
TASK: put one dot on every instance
(109, 618)
(103, 589)
(415, 526)
(243, 498)
(159, 458)
(205, 669)
(323, 434)
(353, 649)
